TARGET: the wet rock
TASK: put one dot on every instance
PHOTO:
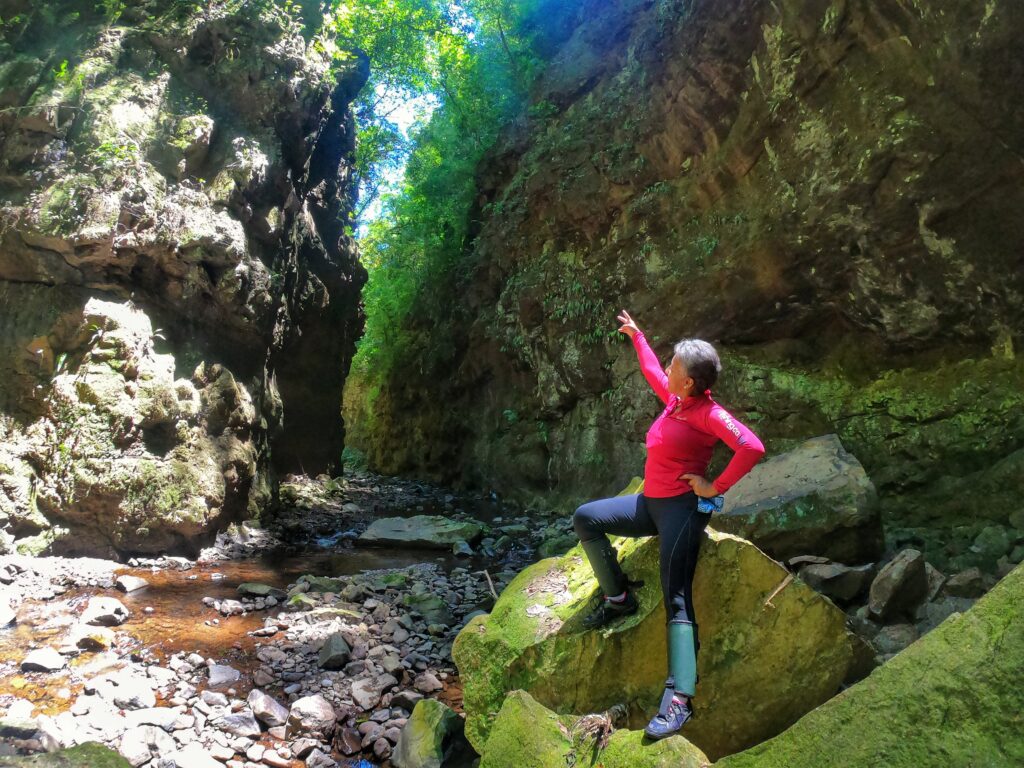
(252, 589)
(322, 584)
(335, 652)
(899, 587)
(862, 623)
(83, 637)
(894, 638)
(420, 532)
(128, 583)
(267, 709)
(428, 737)
(222, 674)
(967, 583)
(231, 607)
(932, 614)
(815, 499)
(993, 542)
(837, 581)
(105, 612)
(312, 716)
(43, 660)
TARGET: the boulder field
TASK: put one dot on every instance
(771, 647)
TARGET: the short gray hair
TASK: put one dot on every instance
(701, 361)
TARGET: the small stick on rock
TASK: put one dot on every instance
(490, 583)
(785, 581)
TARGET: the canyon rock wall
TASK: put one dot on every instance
(179, 292)
(828, 190)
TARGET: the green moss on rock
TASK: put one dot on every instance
(953, 698)
(88, 755)
(794, 649)
(528, 735)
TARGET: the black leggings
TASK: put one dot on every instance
(681, 528)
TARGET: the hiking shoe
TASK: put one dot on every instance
(608, 611)
(667, 723)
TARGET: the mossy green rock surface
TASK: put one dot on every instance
(792, 649)
(422, 743)
(953, 698)
(813, 500)
(528, 735)
(420, 531)
(89, 755)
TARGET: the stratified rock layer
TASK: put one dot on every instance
(759, 631)
(955, 697)
(180, 300)
(830, 191)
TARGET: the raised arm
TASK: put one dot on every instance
(650, 367)
(748, 448)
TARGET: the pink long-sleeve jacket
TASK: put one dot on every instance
(683, 437)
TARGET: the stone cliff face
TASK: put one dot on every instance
(827, 190)
(179, 294)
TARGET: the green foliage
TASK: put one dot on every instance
(109, 155)
(473, 61)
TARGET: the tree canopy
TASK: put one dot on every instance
(472, 61)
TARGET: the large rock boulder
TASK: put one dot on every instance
(429, 737)
(954, 697)
(419, 532)
(528, 735)
(899, 587)
(179, 295)
(760, 630)
(813, 500)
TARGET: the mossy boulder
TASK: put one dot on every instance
(760, 631)
(420, 532)
(323, 583)
(88, 755)
(428, 737)
(815, 499)
(954, 698)
(528, 735)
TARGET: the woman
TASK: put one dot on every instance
(679, 446)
